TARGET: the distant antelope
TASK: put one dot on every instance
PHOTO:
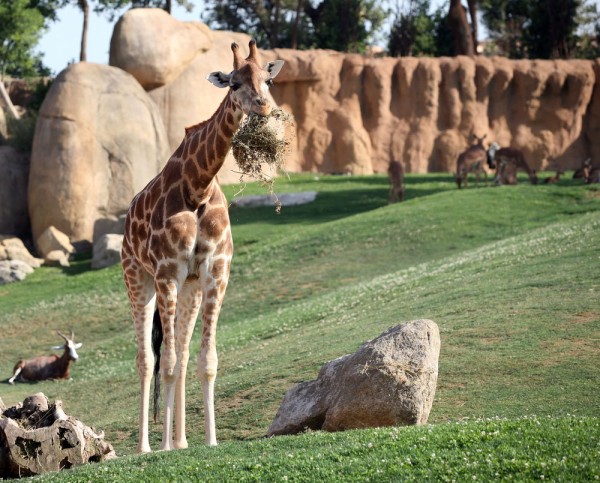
(591, 174)
(396, 175)
(472, 160)
(508, 161)
(579, 173)
(555, 178)
(48, 367)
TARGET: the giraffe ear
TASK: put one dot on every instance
(274, 67)
(219, 79)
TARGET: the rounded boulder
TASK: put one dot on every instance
(99, 139)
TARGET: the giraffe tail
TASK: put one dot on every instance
(157, 338)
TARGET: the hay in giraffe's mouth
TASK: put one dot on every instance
(260, 141)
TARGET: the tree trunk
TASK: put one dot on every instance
(4, 97)
(168, 6)
(294, 39)
(461, 32)
(474, 25)
(83, 4)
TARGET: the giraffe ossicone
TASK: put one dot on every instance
(177, 251)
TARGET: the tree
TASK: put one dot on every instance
(21, 27)
(272, 23)
(534, 29)
(415, 30)
(345, 25)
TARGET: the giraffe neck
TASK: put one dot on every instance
(205, 147)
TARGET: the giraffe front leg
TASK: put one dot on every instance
(167, 305)
(207, 359)
(187, 311)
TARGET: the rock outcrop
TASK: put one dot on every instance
(390, 380)
(99, 139)
(156, 48)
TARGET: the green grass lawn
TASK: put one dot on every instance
(510, 275)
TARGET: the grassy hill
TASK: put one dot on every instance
(510, 275)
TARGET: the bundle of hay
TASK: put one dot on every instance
(260, 140)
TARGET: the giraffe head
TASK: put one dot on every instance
(249, 81)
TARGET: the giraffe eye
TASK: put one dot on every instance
(269, 82)
(235, 87)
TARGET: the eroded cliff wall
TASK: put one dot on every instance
(356, 114)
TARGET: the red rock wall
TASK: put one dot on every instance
(356, 114)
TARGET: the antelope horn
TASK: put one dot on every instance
(253, 55)
(237, 58)
(72, 335)
(62, 335)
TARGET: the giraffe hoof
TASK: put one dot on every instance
(181, 444)
(143, 449)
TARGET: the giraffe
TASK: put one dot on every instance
(177, 250)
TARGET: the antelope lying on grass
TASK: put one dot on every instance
(508, 161)
(471, 161)
(48, 367)
(396, 175)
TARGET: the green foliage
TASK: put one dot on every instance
(505, 272)
(345, 25)
(112, 8)
(21, 131)
(523, 29)
(21, 27)
(271, 24)
(419, 33)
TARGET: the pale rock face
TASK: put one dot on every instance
(51, 240)
(107, 251)
(99, 139)
(12, 248)
(154, 47)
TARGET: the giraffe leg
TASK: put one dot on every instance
(207, 359)
(142, 299)
(167, 289)
(188, 305)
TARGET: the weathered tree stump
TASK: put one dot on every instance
(37, 437)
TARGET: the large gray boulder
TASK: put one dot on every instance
(99, 139)
(154, 47)
(14, 216)
(107, 251)
(390, 380)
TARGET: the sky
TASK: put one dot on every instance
(61, 43)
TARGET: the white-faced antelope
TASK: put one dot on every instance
(471, 161)
(48, 367)
(508, 161)
(396, 176)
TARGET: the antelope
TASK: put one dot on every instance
(471, 160)
(508, 161)
(555, 178)
(579, 173)
(591, 174)
(42, 368)
(396, 175)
